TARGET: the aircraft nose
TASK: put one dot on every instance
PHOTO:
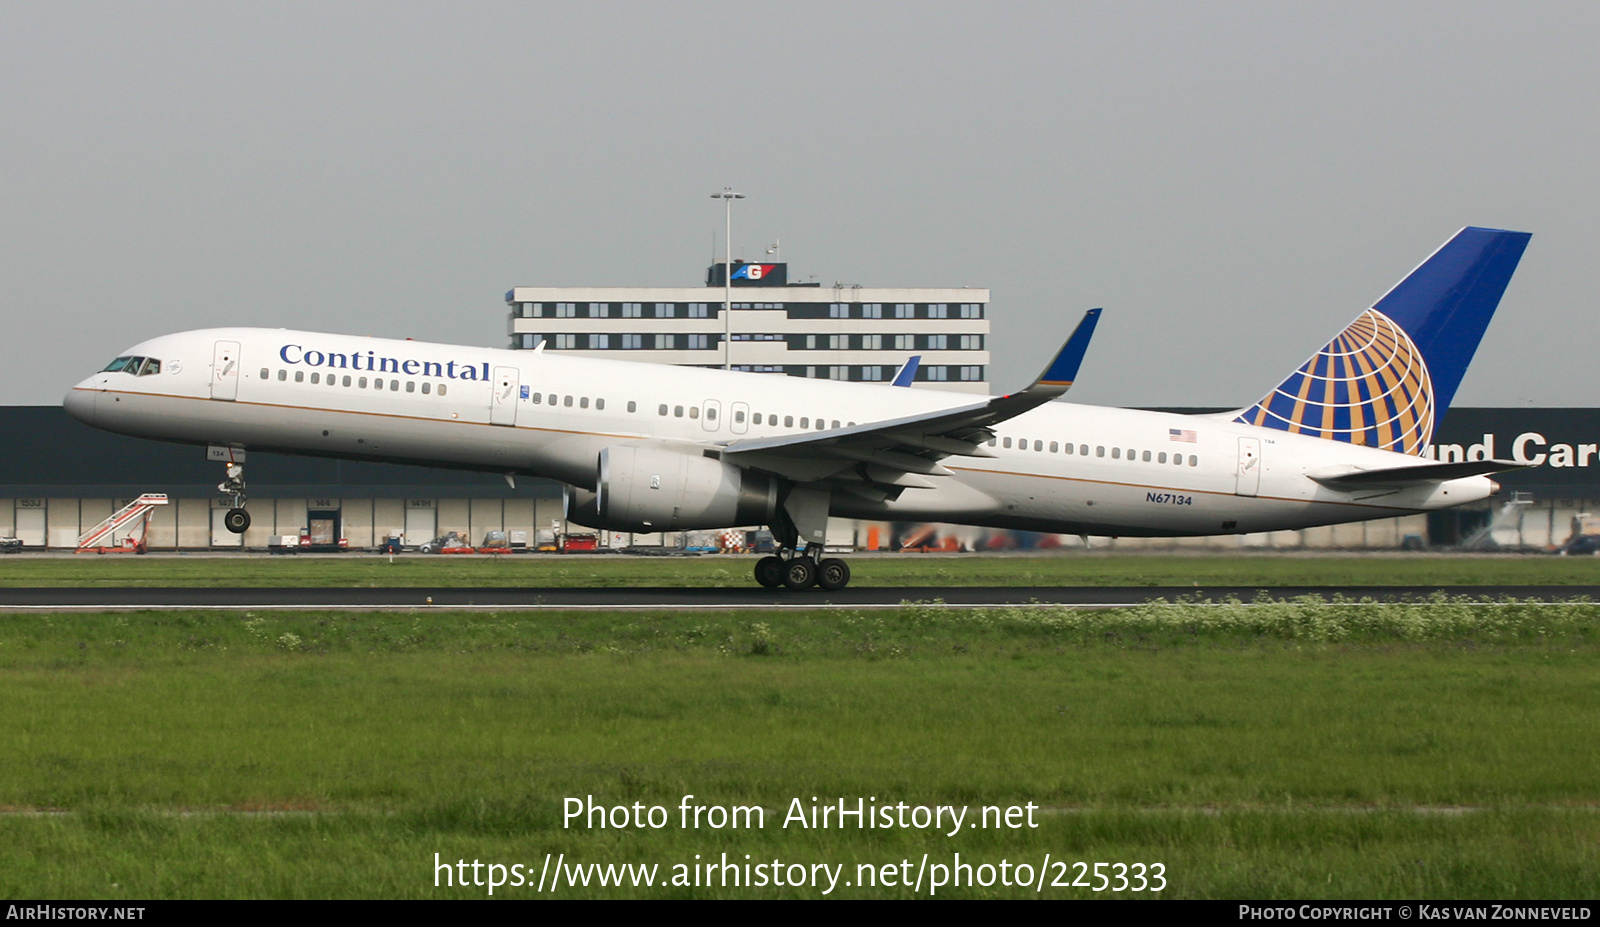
(80, 402)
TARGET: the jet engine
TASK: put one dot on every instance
(647, 489)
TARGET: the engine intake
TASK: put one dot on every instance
(648, 489)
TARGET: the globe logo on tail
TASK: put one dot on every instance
(1369, 386)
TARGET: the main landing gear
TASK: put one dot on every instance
(799, 570)
(237, 520)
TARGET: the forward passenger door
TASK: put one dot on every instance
(503, 406)
(225, 370)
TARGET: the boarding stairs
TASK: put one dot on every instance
(1509, 516)
(135, 517)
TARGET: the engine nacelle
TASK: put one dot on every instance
(648, 489)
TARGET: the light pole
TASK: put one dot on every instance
(727, 196)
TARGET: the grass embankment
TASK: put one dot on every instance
(910, 571)
(1305, 749)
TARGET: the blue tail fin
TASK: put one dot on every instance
(1389, 377)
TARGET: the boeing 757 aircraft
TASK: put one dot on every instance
(657, 448)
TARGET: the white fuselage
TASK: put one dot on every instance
(1128, 472)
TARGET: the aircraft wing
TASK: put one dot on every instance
(894, 452)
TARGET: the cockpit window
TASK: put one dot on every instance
(138, 366)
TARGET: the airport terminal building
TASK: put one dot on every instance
(66, 477)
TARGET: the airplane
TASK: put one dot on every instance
(663, 448)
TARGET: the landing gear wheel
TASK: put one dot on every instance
(237, 520)
(800, 573)
(769, 572)
(833, 574)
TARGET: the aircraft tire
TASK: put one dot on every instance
(833, 574)
(800, 573)
(769, 572)
(237, 521)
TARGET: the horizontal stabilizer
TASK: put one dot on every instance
(1346, 478)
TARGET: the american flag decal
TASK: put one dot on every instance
(1180, 434)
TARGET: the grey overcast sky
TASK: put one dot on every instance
(1233, 182)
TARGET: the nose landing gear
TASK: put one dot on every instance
(237, 520)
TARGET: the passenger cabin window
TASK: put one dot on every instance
(283, 375)
(266, 374)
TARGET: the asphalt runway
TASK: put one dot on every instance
(49, 598)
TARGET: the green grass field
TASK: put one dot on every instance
(1302, 749)
(1063, 569)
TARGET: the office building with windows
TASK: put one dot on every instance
(838, 332)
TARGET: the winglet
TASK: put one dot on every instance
(907, 371)
(1064, 369)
